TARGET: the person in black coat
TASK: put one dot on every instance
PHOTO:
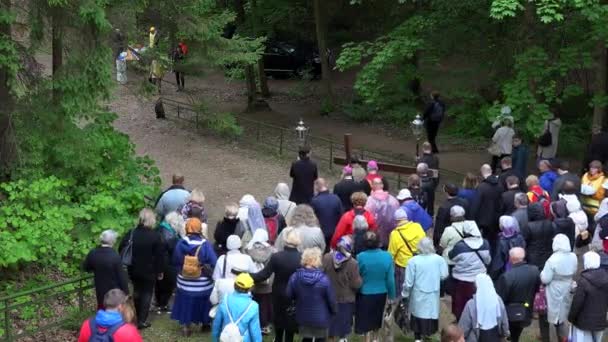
(106, 265)
(304, 173)
(169, 230)
(327, 208)
(538, 235)
(433, 115)
(598, 149)
(346, 187)
(147, 265)
(443, 219)
(590, 302)
(516, 288)
(565, 177)
(428, 184)
(562, 224)
(506, 165)
(229, 225)
(282, 264)
(508, 197)
(428, 157)
(486, 208)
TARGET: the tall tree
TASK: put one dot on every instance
(321, 29)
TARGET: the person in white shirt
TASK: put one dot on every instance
(502, 142)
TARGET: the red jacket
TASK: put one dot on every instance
(126, 333)
(345, 225)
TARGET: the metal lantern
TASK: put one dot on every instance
(417, 129)
(302, 133)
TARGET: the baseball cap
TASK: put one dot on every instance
(404, 194)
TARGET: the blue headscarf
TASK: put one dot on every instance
(343, 251)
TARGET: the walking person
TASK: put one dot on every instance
(286, 206)
(229, 225)
(564, 175)
(485, 210)
(342, 270)
(592, 190)
(521, 210)
(433, 116)
(345, 225)
(502, 142)
(195, 206)
(549, 140)
(484, 317)
(306, 224)
(442, 220)
(508, 197)
(234, 259)
(106, 266)
(413, 210)
(414, 185)
(275, 222)
(423, 277)
(346, 187)
(468, 190)
(171, 230)
(455, 232)
(538, 235)
(327, 208)
(507, 170)
(250, 217)
(147, 263)
(557, 275)
(547, 176)
(562, 224)
(428, 185)
(360, 227)
(428, 157)
(403, 245)
(172, 199)
(303, 172)
(509, 238)
(178, 56)
(372, 174)
(517, 288)
(378, 273)
(383, 206)
(520, 156)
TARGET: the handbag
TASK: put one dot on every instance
(546, 139)
(402, 316)
(495, 150)
(540, 300)
(126, 256)
(517, 312)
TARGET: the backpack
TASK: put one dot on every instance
(105, 336)
(126, 255)
(545, 202)
(546, 139)
(437, 112)
(192, 267)
(272, 226)
(231, 332)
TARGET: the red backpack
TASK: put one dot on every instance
(542, 198)
(272, 226)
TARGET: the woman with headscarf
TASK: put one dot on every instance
(286, 207)
(250, 215)
(484, 317)
(343, 272)
(233, 261)
(509, 237)
(306, 224)
(580, 219)
(260, 250)
(471, 256)
(192, 303)
(275, 222)
(590, 302)
(423, 277)
(195, 206)
(557, 275)
(562, 224)
(229, 225)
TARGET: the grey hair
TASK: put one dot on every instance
(292, 238)
(360, 223)
(517, 253)
(147, 218)
(108, 237)
(231, 210)
(303, 215)
(422, 168)
(425, 246)
(486, 170)
(177, 222)
(521, 199)
(457, 211)
(197, 196)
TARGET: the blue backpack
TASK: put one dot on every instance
(105, 336)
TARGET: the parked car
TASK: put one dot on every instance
(282, 59)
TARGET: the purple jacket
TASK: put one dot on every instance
(314, 296)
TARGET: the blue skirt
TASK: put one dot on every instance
(342, 323)
(191, 308)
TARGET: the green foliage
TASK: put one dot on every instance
(224, 124)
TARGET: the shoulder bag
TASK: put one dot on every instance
(127, 253)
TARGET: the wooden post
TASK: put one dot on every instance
(347, 147)
(331, 154)
(281, 143)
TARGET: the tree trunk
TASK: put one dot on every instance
(600, 89)
(6, 99)
(321, 28)
(260, 65)
(249, 72)
(57, 39)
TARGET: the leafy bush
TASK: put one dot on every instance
(223, 123)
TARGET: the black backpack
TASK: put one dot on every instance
(437, 113)
(105, 336)
(546, 139)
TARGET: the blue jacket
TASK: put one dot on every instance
(416, 213)
(188, 246)
(249, 325)
(328, 209)
(377, 271)
(547, 179)
(520, 160)
(314, 296)
(468, 194)
(500, 261)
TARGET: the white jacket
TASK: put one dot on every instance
(504, 139)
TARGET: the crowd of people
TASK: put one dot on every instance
(505, 246)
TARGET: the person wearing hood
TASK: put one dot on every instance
(194, 207)
(303, 172)
(382, 205)
(508, 238)
(343, 272)
(260, 250)
(191, 304)
(536, 194)
(275, 222)
(250, 216)
(547, 175)
(345, 225)
(428, 185)
(538, 235)
(484, 317)
(110, 321)
(403, 244)
(171, 230)
(314, 297)
(233, 260)
(346, 187)
(282, 265)
(229, 225)
(378, 273)
(579, 217)
(455, 232)
(306, 224)
(562, 224)
(443, 219)
(557, 275)
(423, 277)
(414, 211)
(590, 303)
(286, 207)
(327, 208)
(470, 256)
(468, 190)
(508, 197)
(172, 199)
(564, 176)
(486, 207)
(372, 174)
(591, 187)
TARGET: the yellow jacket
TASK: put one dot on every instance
(410, 231)
(592, 203)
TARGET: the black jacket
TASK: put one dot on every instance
(565, 226)
(107, 269)
(486, 207)
(428, 185)
(148, 253)
(538, 235)
(304, 173)
(519, 285)
(590, 302)
(344, 189)
(443, 218)
(430, 159)
(223, 230)
(598, 149)
(501, 254)
(558, 185)
(328, 209)
(367, 187)
(508, 201)
(420, 197)
(502, 179)
(169, 239)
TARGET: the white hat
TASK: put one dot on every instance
(404, 194)
(233, 242)
(400, 215)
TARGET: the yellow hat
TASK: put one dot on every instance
(152, 28)
(244, 281)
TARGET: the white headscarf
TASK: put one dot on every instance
(591, 260)
(281, 192)
(472, 235)
(251, 212)
(487, 303)
(561, 243)
(603, 210)
(260, 236)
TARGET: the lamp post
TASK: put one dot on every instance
(302, 133)
(417, 126)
